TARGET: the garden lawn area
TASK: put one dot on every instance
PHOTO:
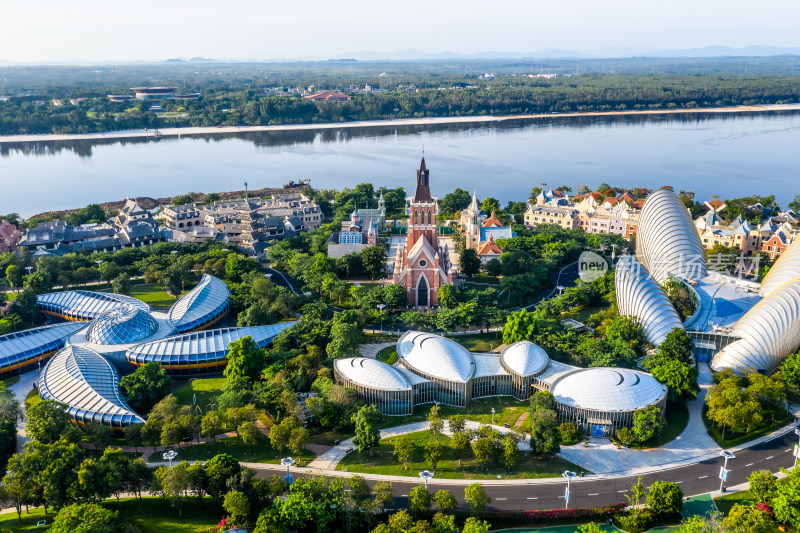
(153, 295)
(206, 390)
(151, 515)
(328, 438)
(507, 410)
(32, 399)
(387, 355)
(583, 314)
(480, 342)
(383, 462)
(263, 452)
(734, 438)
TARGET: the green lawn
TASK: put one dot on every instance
(328, 438)
(583, 314)
(387, 355)
(383, 462)
(507, 411)
(733, 438)
(263, 452)
(481, 342)
(153, 295)
(677, 419)
(151, 515)
(206, 390)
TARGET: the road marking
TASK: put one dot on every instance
(501, 499)
(531, 498)
(786, 451)
(595, 494)
(560, 497)
(770, 457)
(749, 464)
(404, 495)
(703, 477)
(678, 482)
(622, 491)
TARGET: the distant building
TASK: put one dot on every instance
(329, 96)
(9, 236)
(153, 93)
(250, 224)
(59, 238)
(359, 232)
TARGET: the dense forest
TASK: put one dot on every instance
(234, 95)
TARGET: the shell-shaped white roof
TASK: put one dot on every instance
(206, 342)
(13, 344)
(88, 304)
(122, 325)
(525, 358)
(638, 295)
(667, 242)
(371, 373)
(83, 380)
(608, 389)
(785, 269)
(769, 332)
(435, 356)
(208, 296)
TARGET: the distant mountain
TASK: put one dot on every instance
(192, 60)
(558, 53)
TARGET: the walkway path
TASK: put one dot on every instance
(694, 443)
(21, 389)
(331, 458)
(370, 351)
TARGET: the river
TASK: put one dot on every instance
(730, 155)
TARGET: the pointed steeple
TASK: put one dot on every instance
(423, 191)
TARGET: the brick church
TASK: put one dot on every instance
(422, 265)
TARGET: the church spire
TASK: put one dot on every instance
(423, 191)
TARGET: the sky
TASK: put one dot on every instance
(145, 30)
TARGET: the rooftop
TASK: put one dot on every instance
(608, 389)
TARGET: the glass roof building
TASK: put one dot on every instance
(122, 325)
(200, 352)
(431, 369)
(83, 305)
(25, 350)
(88, 385)
(203, 307)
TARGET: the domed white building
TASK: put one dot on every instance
(431, 369)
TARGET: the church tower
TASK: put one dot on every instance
(422, 265)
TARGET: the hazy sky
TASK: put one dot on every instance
(47, 30)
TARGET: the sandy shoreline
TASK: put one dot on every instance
(175, 132)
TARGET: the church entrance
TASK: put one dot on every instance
(422, 292)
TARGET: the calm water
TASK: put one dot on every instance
(719, 154)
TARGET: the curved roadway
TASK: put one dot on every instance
(593, 491)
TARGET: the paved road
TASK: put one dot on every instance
(592, 491)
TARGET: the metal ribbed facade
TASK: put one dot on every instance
(638, 295)
(667, 242)
(785, 269)
(84, 305)
(203, 307)
(87, 384)
(768, 333)
(376, 383)
(24, 350)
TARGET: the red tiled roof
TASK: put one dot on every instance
(716, 204)
(492, 222)
(596, 195)
(638, 204)
(611, 200)
(489, 247)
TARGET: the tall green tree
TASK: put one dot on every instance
(48, 422)
(476, 497)
(469, 263)
(373, 259)
(145, 387)
(368, 434)
(245, 360)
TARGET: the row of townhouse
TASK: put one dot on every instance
(592, 212)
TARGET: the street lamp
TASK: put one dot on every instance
(287, 462)
(169, 456)
(381, 307)
(568, 476)
(492, 415)
(796, 446)
(560, 289)
(426, 475)
(723, 472)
